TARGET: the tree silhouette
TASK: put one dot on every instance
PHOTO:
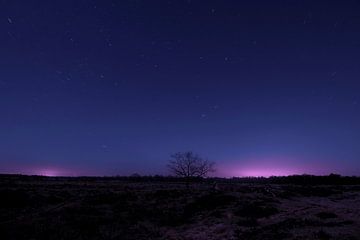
(189, 164)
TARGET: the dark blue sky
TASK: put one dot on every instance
(114, 87)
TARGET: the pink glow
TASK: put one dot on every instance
(268, 172)
(60, 171)
(272, 166)
(49, 171)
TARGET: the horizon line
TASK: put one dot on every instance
(169, 176)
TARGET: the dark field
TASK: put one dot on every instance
(110, 208)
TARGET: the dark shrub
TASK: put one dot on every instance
(322, 235)
(54, 199)
(248, 222)
(217, 213)
(209, 202)
(338, 224)
(317, 191)
(255, 234)
(256, 210)
(14, 198)
(167, 194)
(108, 198)
(326, 215)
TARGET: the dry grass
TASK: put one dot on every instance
(113, 209)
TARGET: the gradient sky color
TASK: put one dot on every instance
(97, 87)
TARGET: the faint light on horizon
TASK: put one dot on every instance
(53, 172)
(49, 173)
(272, 166)
(267, 172)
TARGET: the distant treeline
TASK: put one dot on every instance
(332, 179)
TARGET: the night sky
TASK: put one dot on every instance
(97, 87)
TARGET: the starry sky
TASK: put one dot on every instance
(100, 87)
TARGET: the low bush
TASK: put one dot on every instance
(256, 210)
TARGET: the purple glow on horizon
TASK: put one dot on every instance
(49, 171)
(271, 166)
(254, 166)
(268, 172)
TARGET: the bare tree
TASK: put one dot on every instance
(189, 164)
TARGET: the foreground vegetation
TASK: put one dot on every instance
(298, 207)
